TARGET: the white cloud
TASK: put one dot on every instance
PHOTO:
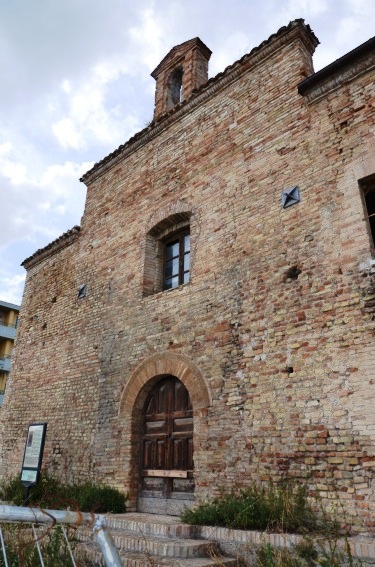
(232, 48)
(12, 287)
(357, 21)
(110, 70)
(281, 13)
(361, 7)
(5, 149)
(90, 117)
(66, 86)
(60, 210)
(66, 170)
(67, 134)
(44, 206)
(308, 8)
(347, 30)
(12, 170)
(148, 35)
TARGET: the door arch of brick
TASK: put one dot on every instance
(132, 401)
(162, 364)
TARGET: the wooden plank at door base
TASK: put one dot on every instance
(166, 474)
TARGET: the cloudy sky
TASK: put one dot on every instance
(76, 84)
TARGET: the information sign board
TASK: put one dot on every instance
(33, 454)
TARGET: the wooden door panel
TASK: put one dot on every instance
(148, 450)
(154, 453)
(183, 454)
(155, 427)
(181, 398)
(154, 486)
(181, 486)
(190, 454)
(163, 396)
(152, 406)
(161, 449)
(178, 454)
(182, 424)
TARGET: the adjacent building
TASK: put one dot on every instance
(8, 326)
(211, 322)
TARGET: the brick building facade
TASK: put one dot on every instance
(223, 329)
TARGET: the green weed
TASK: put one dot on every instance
(285, 508)
(53, 494)
(258, 507)
(22, 552)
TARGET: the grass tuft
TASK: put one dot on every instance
(259, 507)
(53, 494)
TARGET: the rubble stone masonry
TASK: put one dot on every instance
(274, 334)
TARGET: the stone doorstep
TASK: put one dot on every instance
(146, 540)
(163, 547)
(130, 559)
(362, 547)
(137, 561)
(151, 524)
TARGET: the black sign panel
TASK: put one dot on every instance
(33, 454)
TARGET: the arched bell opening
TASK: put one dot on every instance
(174, 92)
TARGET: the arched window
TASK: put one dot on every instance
(167, 254)
(174, 93)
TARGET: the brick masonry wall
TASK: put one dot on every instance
(53, 381)
(241, 321)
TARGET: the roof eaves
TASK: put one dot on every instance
(61, 242)
(336, 68)
(11, 306)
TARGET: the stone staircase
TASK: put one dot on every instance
(148, 540)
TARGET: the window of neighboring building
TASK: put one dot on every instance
(176, 260)
(3, 382)
(368, 191)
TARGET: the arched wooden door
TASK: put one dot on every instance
(167, 466)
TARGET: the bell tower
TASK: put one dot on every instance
(183, 70)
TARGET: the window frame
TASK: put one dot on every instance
(367, 186)
(164, 229)
(176, 236)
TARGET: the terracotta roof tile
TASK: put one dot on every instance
(54, 246)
